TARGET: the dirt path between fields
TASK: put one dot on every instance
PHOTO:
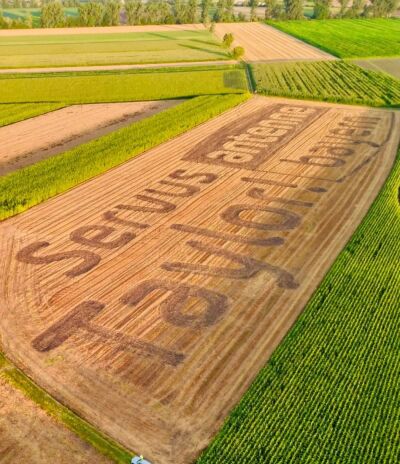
(27, 142)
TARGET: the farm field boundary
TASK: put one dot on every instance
(347, 38)
(333, 380)
(117, 67)
(334, 81)
(166, 315)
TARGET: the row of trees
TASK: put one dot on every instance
(133, 12)
(293, 9)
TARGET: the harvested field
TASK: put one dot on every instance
(264, 43)
(28, 434)
(30, 141)
(161, 288)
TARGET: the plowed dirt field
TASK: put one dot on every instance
(160, 288)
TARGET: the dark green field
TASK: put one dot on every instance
(348, 38)
(331, 81)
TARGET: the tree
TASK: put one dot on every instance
(381, 8)
(253, 10)
(134, 12)
(356, 9)
(91, 14)
(344, 4)
(273, 9)
(179, 11)
(229, 14)
(191, 12)
(52, 15)
(228, 40)
(322, 9)
(219, 11)
(112, 10)
(294, 9)
(205, 10)
(238, 52)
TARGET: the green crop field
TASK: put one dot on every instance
(348, 38)
(27, 187)
(10, 112)
(331, 392)
(92, 87)
(332, 81)
(387, 65)
(106, 49)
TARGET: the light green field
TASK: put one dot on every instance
(348, 38)
(387, 65)
(10, 112)
(106, 49)
(332, 81)
(95, 87)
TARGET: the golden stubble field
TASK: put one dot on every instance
(148, 298)
(265, 43)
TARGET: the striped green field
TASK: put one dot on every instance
(331, 81)
(138, 85)
(109, 49)
(348, 38)
(331, 391)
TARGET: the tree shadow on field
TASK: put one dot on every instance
(206, 50)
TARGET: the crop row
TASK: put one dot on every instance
(331, 390)
(22, 189)
(333, 81)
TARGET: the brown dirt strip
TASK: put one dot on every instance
(28, 434)
(27, 142)
(162, 287)
(112, 67)
(264, 43)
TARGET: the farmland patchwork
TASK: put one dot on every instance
(148, 298)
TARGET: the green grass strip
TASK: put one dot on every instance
(120, 86)
(330, 393)
(105, 445)
(27, 187)
(15, 112)
(330, 81)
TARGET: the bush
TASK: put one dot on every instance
(238, 52)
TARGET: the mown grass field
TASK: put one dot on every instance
(106, 49)
(32, 185)
(387, 65)
(348, 38)
(331, 393)
(94, 87)
(331, 81)
(10, 112)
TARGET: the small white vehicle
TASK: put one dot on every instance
(139, 460)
